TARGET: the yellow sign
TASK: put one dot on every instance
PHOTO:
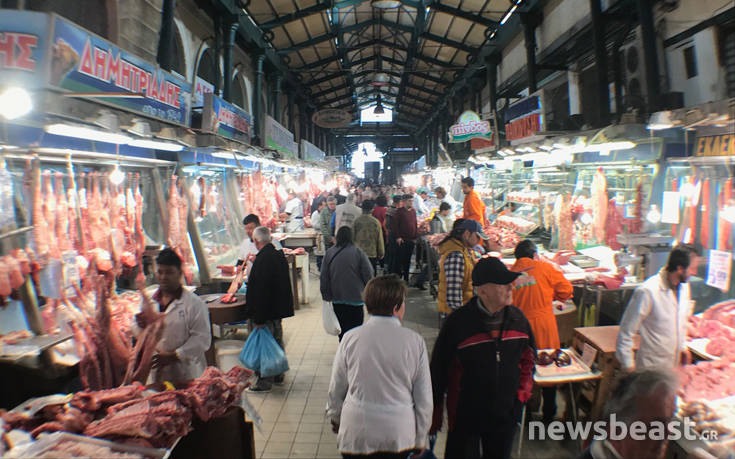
(716, 145)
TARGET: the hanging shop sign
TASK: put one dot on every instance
(718, 269)
(470, 126)
(223, 118)
(311, 152)
(525, 117)
(715, 145)
(83, 62)
(331, 118)
(279, 138)
(201, 87)
(23, 48)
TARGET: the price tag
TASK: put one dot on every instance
(589, 354)
(718, 272)
(670, 207)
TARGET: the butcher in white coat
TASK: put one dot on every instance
(659, 311)
(187, 334)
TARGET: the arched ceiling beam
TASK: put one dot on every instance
(473, 17)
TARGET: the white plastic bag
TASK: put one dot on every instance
(329, 319)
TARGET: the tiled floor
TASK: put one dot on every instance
(294, 423)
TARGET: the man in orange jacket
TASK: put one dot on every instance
(474, 208)
(534, 291)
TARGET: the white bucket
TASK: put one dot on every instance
(228, 353)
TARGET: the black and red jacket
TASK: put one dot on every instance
(482, 391)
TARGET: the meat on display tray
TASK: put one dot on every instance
(698, 346)
(32, 345)
(711, 415)
(48, 444)
(551, 373)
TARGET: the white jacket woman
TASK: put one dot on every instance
(380, 397)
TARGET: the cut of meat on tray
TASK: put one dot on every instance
(717, 346)
(95, 400)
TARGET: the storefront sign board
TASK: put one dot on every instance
(525, 117)
(23, 48)
(715, 145)
(470, 126)
(718, 271)
(201, 87)
(83, 62)
(279, 138)
(223, 118)
(311, 152)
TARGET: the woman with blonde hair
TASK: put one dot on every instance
(380, 397)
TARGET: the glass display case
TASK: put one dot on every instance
(699, 196)
(217, 213)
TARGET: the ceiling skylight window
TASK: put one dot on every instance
(368, 115)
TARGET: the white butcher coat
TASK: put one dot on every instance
(380, 392)
(295, 210)
(661, 321)
(188, 333)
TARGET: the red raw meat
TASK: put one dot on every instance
(716, 346)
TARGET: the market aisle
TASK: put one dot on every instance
(294, 423)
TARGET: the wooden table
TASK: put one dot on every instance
(222, 313)
(291, 259)
(603, 340)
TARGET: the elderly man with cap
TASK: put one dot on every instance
(482, 364)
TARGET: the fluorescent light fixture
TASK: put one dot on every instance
(156, 145)
(385, 4)
(14, 103)
(659, 127)
(81, 132)
(224, 154)
(508, 14)
(609, 146)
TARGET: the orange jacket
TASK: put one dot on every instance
(474, 208)
(534, 292)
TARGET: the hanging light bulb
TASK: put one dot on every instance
(117, 176)
(653, 216)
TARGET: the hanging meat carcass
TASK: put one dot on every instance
(62, 215)
(178, 238)
(599, 205)
(613, 226)
(40, 227)
(564, 223)
(141, 358)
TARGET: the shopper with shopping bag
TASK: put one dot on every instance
(345, 271)
(261, 353)
(269, 297)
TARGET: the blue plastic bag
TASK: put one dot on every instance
(261, 353)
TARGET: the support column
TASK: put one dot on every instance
(650, 55)
(291, 122)
(166, 42)
(229, 36)
(575, 103)
(217, 52)
(277, 98)
(618, 72)
(491, 63)
(257, 98)
(302, 122)
(529, 35)
(598, 37)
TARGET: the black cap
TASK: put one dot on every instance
(492, 271)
